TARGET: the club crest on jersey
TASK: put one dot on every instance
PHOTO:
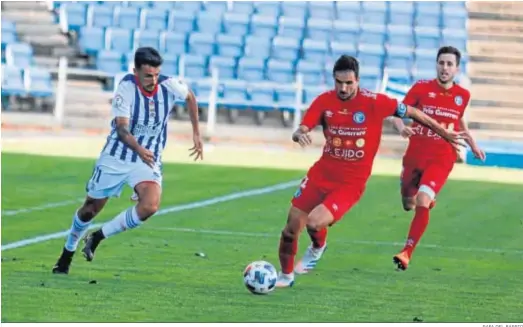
(152, 112)
(118, 101)
(458, 100)
(359, 117)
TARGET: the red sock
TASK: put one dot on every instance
(288, 249)
(318, 238)
(417, 228)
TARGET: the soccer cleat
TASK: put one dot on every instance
(91, 242)
(285, 280)
(309, 260)
(401, 260)
(63, 263)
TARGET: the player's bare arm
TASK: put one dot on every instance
(469, 139)
(122, 130)
(192, 105)
(450, 136)
(301, 136)
(404, 130)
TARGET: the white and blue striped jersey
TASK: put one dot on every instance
(148, 114)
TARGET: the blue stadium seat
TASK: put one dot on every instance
(229, 45)
(208, 22)
(12, 82)
(319, 29)
(400, 75)
(428, 7)
(236, 24)
(285, 48)
(118, 39)
(100, 16)
(341, 48)
(401, 7)
(455, 37)
(370, 60)
(251, 69)
(454, 5)
(297, 9)
(286, 98)
(262, 97)
(267, 8)
(322, 10)
(226, 67)
(39, 82)
(246, 7)
(374, 17)
(315, 50)
(349, 11)
(263, 26)
(400, 36)
(164, 5)
(170, 64)
(425, 64)
(373, 34)
(216, 7)
(91, 40)
(427, 38)
(128, 62)
(201, 44)
(180, 21)
(402, 19)
(109, 61)
(234, 94)
(427, 19)
(75, 14)
(424, 74)
(188, 7)
(202, 90)
(399, 57)
(257, 47)
(195, 65)
(146, 38)
(312, 72)
(19, 55)
(455, 20)
(345, 31)
(291, 27)
(425, 54)
(280, 71)
(127, 17)
(8, 37)
(374, 6)
(173, 43)
(154, 19)
(140, 4)
(312, 92)
(8, 26)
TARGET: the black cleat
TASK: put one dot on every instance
(63, 263)
(91, 243)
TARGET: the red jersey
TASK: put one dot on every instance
(352, 131)
(445, 106)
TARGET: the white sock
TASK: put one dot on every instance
(77, 231)
(127, 219)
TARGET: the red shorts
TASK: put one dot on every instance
(428, 175)
(337, 197)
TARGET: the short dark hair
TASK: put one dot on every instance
(450, 50)
(345, 63)
(147, 56)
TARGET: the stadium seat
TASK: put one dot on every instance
(456, 38)
(262, 97)
(91, 40)
(263, 26)
(146, 38)
(400, 36)
(345, 31)
(459, 23)
(251, 69)
(234, 94)
(286, 98)
(374, 12)
(170, 64)
(312, 72)
(216, 7)
(322, 10)
(285, 48)
(180, 22)
(202, 90)
(8, 26)
(208, 22)
(140, 4)
(428, 7)
(297, 9)
(100, 16)
(399, 57)
(399, 75)
(320, 29)
(195, 65)
(8, 37)
(173, 43)
(153, 19)
(427, 38)
(341, 48)
(12, 82)
(19, 55)
(164, 5)
(245, 8)
(118, 39)
(188, 7)
(348, 11)
(280, 71)
(38, 82)
(424, 74)
(236, 24)
(201, 44)
(73, 15)
(257, 47)
(229, 45)
(226, 67)
(401, 7)
(109, 61)
(373, 34)
(402, 19)
(315, 50)
(311, 92)
(267, 8)
(429, 19)
(291, 27)
(127, 17)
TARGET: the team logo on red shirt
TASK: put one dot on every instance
(359, 117)
(458, 100)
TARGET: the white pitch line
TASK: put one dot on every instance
(183, 207)
(42, 207)
(374, 243)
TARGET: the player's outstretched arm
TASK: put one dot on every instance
(192, 105)
(425, 120)
(122, 130)
(469, 139)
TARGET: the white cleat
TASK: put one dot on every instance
(309, 260)
(285, 280)
(134, 197)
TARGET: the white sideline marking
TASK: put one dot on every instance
(42, 207)
(183, 207)
(379, 243)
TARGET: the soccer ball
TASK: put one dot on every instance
(260, 277)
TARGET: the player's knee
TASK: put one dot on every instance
(425, 197)
(318, 219)
(289, 233)
(90, 209)
(147, 209)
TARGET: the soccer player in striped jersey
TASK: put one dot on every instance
(132, 153)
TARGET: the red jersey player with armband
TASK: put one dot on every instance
(352, 120)
(429, 160)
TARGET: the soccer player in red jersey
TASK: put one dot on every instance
(352, 120)
(429, 159)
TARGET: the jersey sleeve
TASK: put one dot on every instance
(412, 96)
(177, 87)
(387, 106)
(123, 100)
(314, 114)
(466, 100)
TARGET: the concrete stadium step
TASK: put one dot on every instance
(494, 113)
(495, 69)
(501, 50)
(23, 5)
(485, 123)
(499, 93)
(496, 9)
(28, 16)
(493, 79)
(501, 135)
(494, 28)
